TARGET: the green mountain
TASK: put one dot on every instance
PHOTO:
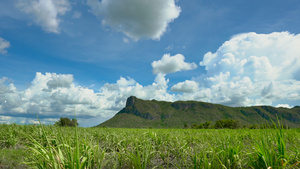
(140, 113)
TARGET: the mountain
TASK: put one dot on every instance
(140, 113)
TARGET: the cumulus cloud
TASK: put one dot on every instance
(252, 69)
(171, 64)
(186, 87)
(4, 44)
(115, 95)
(57, 81)
(51, 96)
(273, 56)
(45, 12)
(135, 18)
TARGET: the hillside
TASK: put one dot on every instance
(161, 114)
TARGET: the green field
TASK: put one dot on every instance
(29, 146)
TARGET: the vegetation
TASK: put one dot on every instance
(29, 146)
(66, 122)
(231, 124)
(226, 123)
(205, 125)
(219, 124)
(160, 114)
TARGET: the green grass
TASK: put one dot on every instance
(65, 147)
(10, 158)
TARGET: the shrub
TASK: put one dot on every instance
(66, 122)
(226, 123)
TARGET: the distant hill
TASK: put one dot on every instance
(140, 113)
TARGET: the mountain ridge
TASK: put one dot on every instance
(140, 113)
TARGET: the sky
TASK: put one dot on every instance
(86, 57)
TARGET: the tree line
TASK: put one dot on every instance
(231, 124)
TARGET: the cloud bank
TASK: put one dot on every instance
(135, 18)
(252, 69)
(51, 96)
(4, 44)
(47, 95)
(45, 12)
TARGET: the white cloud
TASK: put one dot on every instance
(272, 56)
(284, 106)
(60, 81)
(51, 96)
(4, 44)
(114, 95)
(186, 87)
(253, 69)
(26, 120)
(135, 18)
(45, 12)
(171, 64)
(5, 119)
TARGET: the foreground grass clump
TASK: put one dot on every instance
(66, 147)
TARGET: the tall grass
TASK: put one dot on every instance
(54, 149)
(67, 147)
(271, 150)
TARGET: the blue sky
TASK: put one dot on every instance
(90, 55)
